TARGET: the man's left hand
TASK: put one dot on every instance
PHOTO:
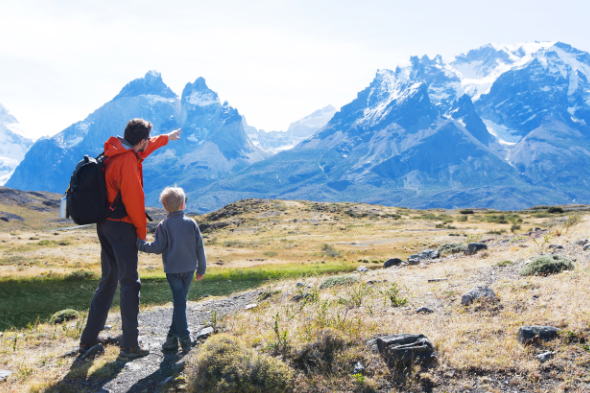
(174, 135)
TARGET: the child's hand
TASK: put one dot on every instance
(199, 277)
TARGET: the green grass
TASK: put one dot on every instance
(28, 299)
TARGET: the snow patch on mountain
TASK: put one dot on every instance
(14, 146)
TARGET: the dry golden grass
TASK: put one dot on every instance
(475, 343)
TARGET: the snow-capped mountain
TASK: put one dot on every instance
(213, 141)
(14, 144)
(276, 141)
(503, 126)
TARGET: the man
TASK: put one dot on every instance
(119, 254)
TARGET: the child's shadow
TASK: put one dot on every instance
(168, 367)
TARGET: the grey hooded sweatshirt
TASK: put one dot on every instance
(179, 240)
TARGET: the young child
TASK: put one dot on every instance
(179, 240)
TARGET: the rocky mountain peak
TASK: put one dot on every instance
(199, 94)
(150, 84)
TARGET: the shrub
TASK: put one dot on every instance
(504, 263)
(337, 281)
(64, 315)
(329, 250)
(466, 211)
(225, 364)
(545, 265)
(555, 209)
(270, 254)
(514, 228)
(319, 356)
(452, 248)
(81, 275)
(393, 294)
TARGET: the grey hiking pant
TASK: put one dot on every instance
(119, 258)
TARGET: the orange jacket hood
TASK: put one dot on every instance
(116, 145)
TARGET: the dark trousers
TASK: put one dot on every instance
(119, 265)
(180, 283)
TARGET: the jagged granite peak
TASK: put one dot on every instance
(14, 146)
(150, 84)
(464, 111)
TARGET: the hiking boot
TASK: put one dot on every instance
(133, 353)
(187, 343)
(171, 343)
(101, 339)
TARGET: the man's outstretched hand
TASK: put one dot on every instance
(199, 277)
(174, 135)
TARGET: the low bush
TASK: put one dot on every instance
(504, 263)
(337, 281)
(545, 265)
(466, 211)
(319, 355)
(225, 364)
(64, 315)
(81, 275)
(452, 248)
(555, 210)
(330, 251)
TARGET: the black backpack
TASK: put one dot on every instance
(87, 201)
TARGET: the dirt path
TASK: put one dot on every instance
(148, 374)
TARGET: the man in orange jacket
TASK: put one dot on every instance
(119, 254)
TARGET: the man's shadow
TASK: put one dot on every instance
(77, 378)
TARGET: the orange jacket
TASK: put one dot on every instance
(124, 170)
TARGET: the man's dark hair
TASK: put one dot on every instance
(137, 130)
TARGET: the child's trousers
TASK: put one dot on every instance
(180, 283)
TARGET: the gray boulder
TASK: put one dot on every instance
(425, 310)
(403, 350)
(426, 254)
(358, 368)
(474, 248)
(392, 262)
(362, 269)
(532, 334)
(543, 357)
(479, 292)
(582, 242)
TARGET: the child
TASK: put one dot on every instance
(179, 240)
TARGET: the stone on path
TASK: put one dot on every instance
(392, 262)
(358, 368)
(204, 333)
(405, 349)
(250, 306)
(479, 292)
(425, 310)
(531, 334)
(474, 248)
(5, 374)
(362, 269)
(93, 351)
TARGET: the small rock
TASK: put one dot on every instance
(392, 262)
(358, 368)
(178, 367)
(204, 333)
(107, 327)
(300, 284)
(582, 243)
(164, 382)
(437, 279)
(371, 282)
(5, 374)
(414, 261)
(93, 351)
(536, 229)
(556, 246)
(426, 254)
(405, 349)
(474, 248)
(250, 306)
(531, 334)
(425, 310)
(586, 247)
(301, 296)
(545, 356)
(362, 269)
(478, 292)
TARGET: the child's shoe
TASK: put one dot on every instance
(171, 343)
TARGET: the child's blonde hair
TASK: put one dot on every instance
(172, 198)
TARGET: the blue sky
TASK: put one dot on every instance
(276, 61)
